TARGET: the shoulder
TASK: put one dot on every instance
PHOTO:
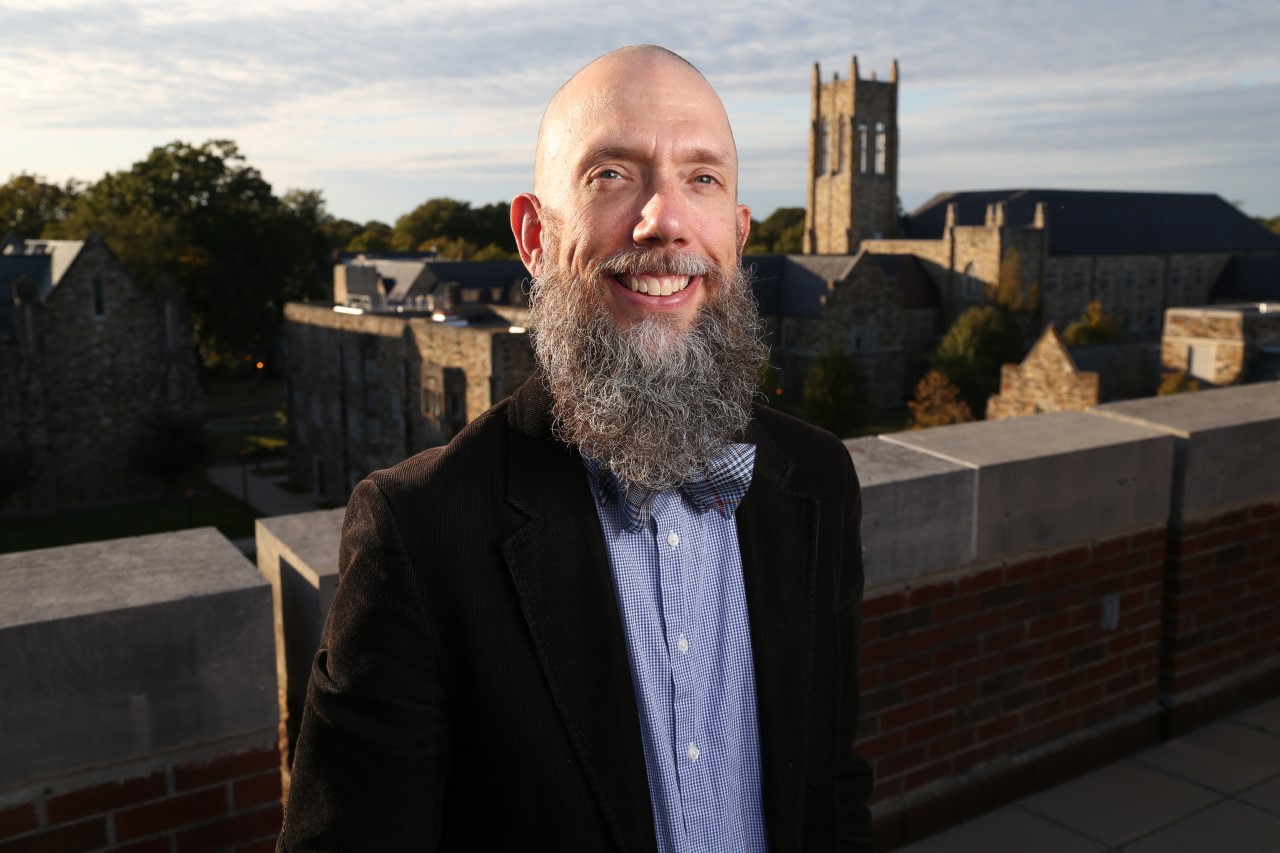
(806, 446)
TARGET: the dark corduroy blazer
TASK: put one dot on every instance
(472, 690)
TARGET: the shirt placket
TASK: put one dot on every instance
(673, 572)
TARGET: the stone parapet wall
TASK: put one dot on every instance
(137, 698)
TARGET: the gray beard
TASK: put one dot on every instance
(654, 403)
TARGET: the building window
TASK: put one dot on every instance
(1128, 279)
(1051, 281)
(882, 148)
(971, 285)
(862, 147)
(1077, 281)
(824, 146)
(1104, 283)
(99, 290)
(837, 147)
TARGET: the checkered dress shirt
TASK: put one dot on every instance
(677, 573)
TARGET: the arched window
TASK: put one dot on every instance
(824, 147)
(882, 148)
(837, 147)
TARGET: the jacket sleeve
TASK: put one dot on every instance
(854, 781)
(373, 749)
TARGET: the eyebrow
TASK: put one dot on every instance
(709, 156)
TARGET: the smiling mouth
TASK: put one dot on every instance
(654, 285)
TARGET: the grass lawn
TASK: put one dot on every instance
(208, 507)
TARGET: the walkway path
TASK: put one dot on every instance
(1215, 790)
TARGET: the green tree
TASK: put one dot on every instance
(1272, 224)
(782, 233)
(937, 403)
(456, 224)
(1094, 327)
(981, 340)
(1012, 289)
(28, 204)
(200, 219)
(170, 447)
(836, 395)
(375, 237)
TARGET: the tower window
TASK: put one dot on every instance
(862, 147)
(882, 148)
(824, 147)
(837, 146)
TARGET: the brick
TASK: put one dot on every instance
(1109, 547)
(189, 776)
(1001, 683)
(1069, 559)
(904, 670)
(930, 638)
(100, 799)
(1265, 511)
(930, 593)
(237, 829)
(1230, 556)
(976, 712)
(168, 814)
(999, 641)
(929, 683)
(930, 729)
(886, 744)
(980, 623)
(952, 699)
(998, 728)
(951, 744)
(971, 758)
(1086, 655)
(1046, 625)
(17, 819)
(68, 838)
(1024, 653)
(981, 581)
(259, 789)
(1045, 669)
(878, 700)
(901, 623)
(905, 714)
(266, 846)
(962, 650)
(1004, 595)
(878, 652)
(880, 605)
(1026, 569)
(900, 762)
(1158, 536)
(982, 667)
(924, 776)
(159, 844)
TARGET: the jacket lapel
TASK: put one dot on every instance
(777, 534)
(561, 572)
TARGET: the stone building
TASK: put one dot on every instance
(1223, 344)
(882, 309)
(369, 389)
(91, 361)
(1137, 253)
(1047, 380)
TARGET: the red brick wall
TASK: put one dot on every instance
(1012, 657)
(1222, 599)
(229, 803)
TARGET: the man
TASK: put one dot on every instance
(620, 610)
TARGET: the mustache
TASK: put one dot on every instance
(636, 261)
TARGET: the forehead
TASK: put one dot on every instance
(654, 105)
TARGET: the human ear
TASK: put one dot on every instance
(526, 225)
(744, 225)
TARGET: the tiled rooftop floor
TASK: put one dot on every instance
(1214, 790)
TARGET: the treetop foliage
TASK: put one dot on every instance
(1094, 327)
(782, 233)
(979, 343)
(937, 403)
(836, 395)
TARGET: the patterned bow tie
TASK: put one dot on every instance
(721, 487)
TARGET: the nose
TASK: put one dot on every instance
(663, 219)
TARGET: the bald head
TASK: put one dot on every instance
(591, 95)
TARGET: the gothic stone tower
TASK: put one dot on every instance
(853, 162)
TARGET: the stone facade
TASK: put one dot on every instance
(1046, 381)
(853, 161)
(368, 390)
(1222, 345)
(92, 358)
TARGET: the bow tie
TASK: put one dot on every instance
(720, 487)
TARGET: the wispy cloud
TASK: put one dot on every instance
(382, 105)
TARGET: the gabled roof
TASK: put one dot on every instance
(906, 271)
(1102, 222)
(43, 261)
(1249, 278)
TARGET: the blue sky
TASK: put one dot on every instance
(382, 106)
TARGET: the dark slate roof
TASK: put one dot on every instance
(1249, 278)
(14, 267)
(478, 273)
(1101, 222)
(907, 273)
(768, 271)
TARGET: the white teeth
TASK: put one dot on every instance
(655, 285)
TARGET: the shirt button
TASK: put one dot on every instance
(693, 752)
(673, 539)
(683, 645)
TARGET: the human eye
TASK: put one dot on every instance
(706, 180)
(608, 175)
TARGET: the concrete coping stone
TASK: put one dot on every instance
(307, 540)
(1185, 415)
(119, 574)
